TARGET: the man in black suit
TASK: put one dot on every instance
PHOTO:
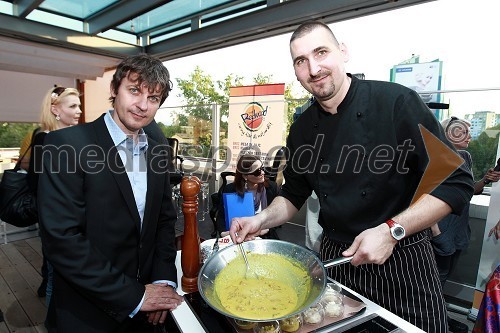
(106, 213)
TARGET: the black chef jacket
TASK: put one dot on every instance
(366, 161)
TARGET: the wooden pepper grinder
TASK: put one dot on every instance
(190, 255)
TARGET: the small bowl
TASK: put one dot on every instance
(332, 288)
(292, 323)
(333, 309)
(267, 327)
(245, 325)
(314, 315)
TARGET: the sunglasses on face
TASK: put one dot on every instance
(257, 172)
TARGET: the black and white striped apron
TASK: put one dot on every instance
(407, 284)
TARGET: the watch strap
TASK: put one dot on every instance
(391, 223)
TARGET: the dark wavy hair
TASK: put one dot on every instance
(148, 69)
(243, 167)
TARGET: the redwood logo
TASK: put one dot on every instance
(253, 116)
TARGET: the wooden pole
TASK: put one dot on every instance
(190, 255)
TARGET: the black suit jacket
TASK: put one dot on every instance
(91, 229)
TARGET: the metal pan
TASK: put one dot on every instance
(303, 257)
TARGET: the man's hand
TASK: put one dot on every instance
(262, 233)
(246, 228)
(156, 317)
(160, 297)
(372, 246)
(495, 230)
(492, 175)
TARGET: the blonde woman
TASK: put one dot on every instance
(60, 109)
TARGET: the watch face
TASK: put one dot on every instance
(398, 232)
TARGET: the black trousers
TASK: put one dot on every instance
(446, 265)
(407, 284)
(131, 325)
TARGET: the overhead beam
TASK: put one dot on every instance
(23, 8)
(27, 57)
(198, 14)
(22, 29)
(122, 12)
(270, 21)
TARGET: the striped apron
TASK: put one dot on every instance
(407, 284)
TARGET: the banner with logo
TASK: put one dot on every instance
(257, 121)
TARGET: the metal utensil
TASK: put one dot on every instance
(242, 250)
(337, 261)
(215, 248)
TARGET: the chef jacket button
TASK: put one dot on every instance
(315, 125)
(321, 159)
(359, 114)
(363, 194)
(325, 195)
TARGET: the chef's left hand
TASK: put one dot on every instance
(372, 246)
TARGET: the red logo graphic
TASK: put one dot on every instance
(253, 116)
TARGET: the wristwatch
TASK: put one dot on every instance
(397, 230)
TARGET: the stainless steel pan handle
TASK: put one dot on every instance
(337, 261)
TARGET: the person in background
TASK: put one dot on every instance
(451, 235)
(250, 177)
(488, 317)
(107, 218)
(60, 109)
(495, 231)
(24, 152)
(359, 147)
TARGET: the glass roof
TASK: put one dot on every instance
(75, 9)
(154, 19)
(168, 29)
(170, 13)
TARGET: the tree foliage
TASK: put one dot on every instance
(12, 134)
(169, 131)
(483, 151)
(293, 103)
(200, 92)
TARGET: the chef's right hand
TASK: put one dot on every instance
(245, 228)
(262, 233)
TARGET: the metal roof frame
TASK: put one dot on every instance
(275, 18)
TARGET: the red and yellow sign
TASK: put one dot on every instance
(256, 121)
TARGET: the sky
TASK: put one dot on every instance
(461, 33)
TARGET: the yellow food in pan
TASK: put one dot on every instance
(272, 294)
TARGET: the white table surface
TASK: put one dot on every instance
(188, 322)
